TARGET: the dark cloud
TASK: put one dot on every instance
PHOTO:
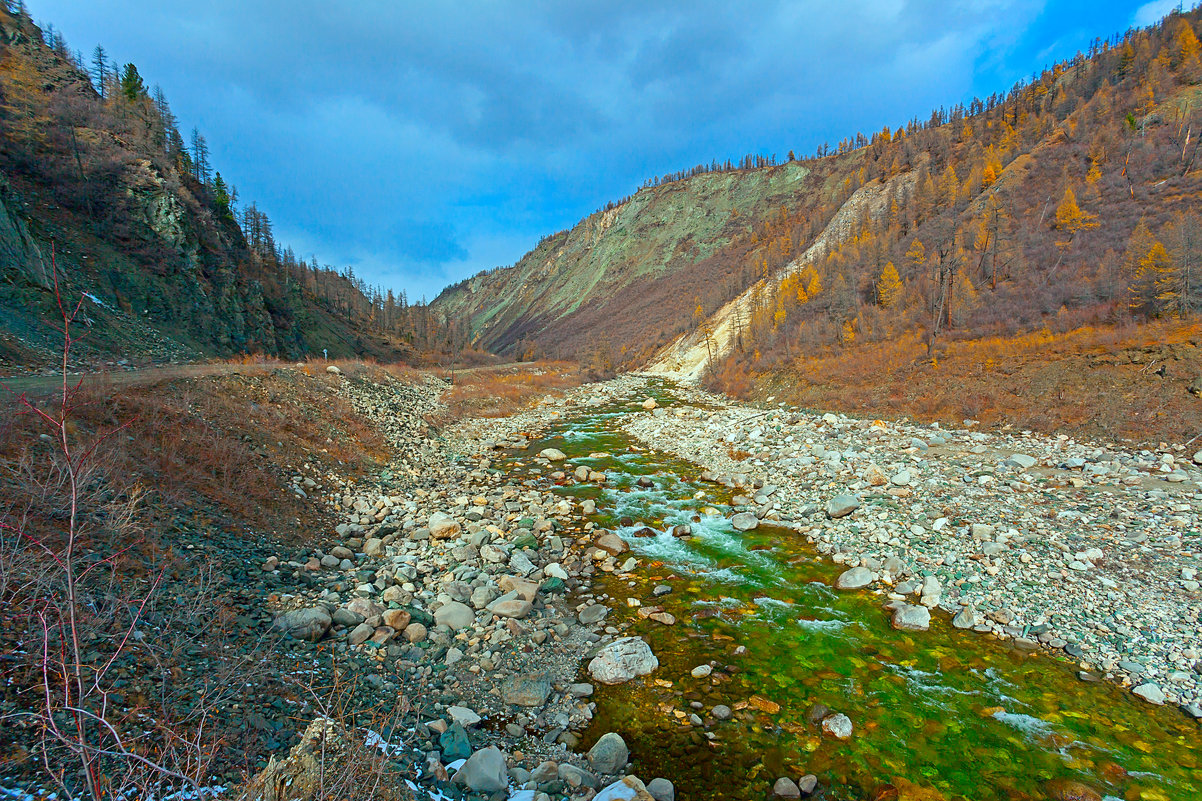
(422, 141)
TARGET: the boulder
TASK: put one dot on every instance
(966, 618)
(360, 634)
(842, 505)
(744, 521)
(454, 742)
(854, 579)
(661, 790)
(649, 404)
(455, 616)
(909, 617)
(553, 454)
(511, 607)
(622, 660)
(1069, 790)
(300, 775)
(628, 789)
(525, 589)
(304, 624)
(484, 771)
(609, 754)
(1022, 461)
(576, 777)
(875, 476)
(397, 618)
(1150, 693)
(611, 543)
(786, 788)
(442, 526)
(593, 613)
(463, 716)
(837, 725)
(529, 690)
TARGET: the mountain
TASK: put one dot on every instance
(1070, 200)
(98, 189)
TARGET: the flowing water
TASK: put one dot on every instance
(942, 714)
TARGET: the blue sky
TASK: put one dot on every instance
(420, 142)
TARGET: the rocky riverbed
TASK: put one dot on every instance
(466, 589)
(1092, 549)
(474, 576)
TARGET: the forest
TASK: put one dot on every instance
(1070, 201)
(95, 164)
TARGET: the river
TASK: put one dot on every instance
(942, 714)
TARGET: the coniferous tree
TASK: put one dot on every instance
(131, 83)
(200, 157)
(100, 70)
(888, 286)
(221, 199)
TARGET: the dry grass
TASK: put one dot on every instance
(203, 464)
(500, 391)
(220, 445)
(1122, 382)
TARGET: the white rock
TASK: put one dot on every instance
(623, 660)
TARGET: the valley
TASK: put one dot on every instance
(866, 473)
(808, 586)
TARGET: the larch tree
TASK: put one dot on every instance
(916, 257)
(200, 157)
(100, 70)
(1156, 283)
(1184, 237)
(1070, 218)
(888, 286)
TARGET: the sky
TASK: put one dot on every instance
(421, 142)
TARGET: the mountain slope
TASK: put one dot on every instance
(691, 354)
(606, 276)
(97, 180)
(1039, 204)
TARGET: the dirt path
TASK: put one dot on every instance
(43, 385)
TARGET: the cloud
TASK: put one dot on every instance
(1153, 12)
(421, 142)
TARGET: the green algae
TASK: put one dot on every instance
(937, 714)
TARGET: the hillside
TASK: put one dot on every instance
(625, 276)
(1068, 201)
(96, 179)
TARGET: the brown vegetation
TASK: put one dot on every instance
(1128, 382)
(506, 389)
(127, 517)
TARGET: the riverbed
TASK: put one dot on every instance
(937, 714)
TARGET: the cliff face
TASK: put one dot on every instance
(629, 274)
(165, 270)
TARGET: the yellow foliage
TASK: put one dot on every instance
(1187, 45)
(814, 288)
(916, 255)
(1069, 216)
(988, 175)
(848, 334)
(889, 286)
(1156, 280)
(22, 101)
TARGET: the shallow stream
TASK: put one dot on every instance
(943, 714)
